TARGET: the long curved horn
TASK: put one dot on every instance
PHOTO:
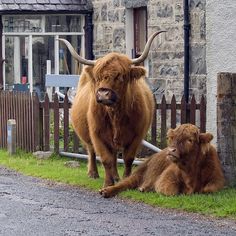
(76, 55)
(146, 49)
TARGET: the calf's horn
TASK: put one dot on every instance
(76, 55)
(146, 49)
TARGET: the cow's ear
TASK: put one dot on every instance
(205, 137)
(89, 71)
(137, 72)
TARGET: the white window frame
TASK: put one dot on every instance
(129, 39)
(30, 56)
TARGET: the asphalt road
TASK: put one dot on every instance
(31, 206)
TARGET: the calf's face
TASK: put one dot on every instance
(186, 141)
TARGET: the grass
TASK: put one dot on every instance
(220, 204)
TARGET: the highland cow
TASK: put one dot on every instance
(112, 109)
(189, 164)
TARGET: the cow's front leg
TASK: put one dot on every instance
(107, 159)
(92, 164)
(129, 155)
(107, 162)
(115, 173)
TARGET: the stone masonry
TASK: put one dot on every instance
(165, 61)
(226, 124)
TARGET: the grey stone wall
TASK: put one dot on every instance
(226, 124)
(166, 56)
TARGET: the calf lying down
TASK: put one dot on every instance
(189, 164)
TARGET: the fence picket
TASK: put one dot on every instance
(183, 110)
(31, 134)
(203, 114)
(46, 115)
(173, 112)
(36, 123)
(163, 121)
(27, 117)
(56, 123)
(66, 123)
(154, 124)
(193, 110)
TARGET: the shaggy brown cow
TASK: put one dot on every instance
(188, 165)
(112, 110)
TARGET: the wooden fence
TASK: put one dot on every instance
(45, 125)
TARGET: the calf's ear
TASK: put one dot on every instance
(170, 135)
(205, 137)
(137, 72)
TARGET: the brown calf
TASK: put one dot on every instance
(188, 165)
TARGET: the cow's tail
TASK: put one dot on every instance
(131, 182)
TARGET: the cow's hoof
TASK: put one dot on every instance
(141, 189)
(105, 193)
(93, 175)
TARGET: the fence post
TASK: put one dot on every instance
(226, 124)
(11, 136)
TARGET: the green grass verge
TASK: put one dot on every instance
(220, 204)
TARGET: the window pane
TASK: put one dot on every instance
(140, 29)
(43, 50)
(63, 23)
(30, 23)
(16, 66)
(67, 64)
(26, 23)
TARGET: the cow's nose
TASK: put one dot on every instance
(173, 151)
(106, 96)
(103, 94)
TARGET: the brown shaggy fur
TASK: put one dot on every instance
(119, 127)
(189, 164)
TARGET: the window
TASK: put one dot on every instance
(30, 41)
(136, 31)
(140, 30)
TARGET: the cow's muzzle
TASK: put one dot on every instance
(173, 154)
(106, 96)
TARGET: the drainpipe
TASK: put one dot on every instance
(1, 59)
(186, 50)
(88, 28)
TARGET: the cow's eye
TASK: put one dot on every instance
(190, 140)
